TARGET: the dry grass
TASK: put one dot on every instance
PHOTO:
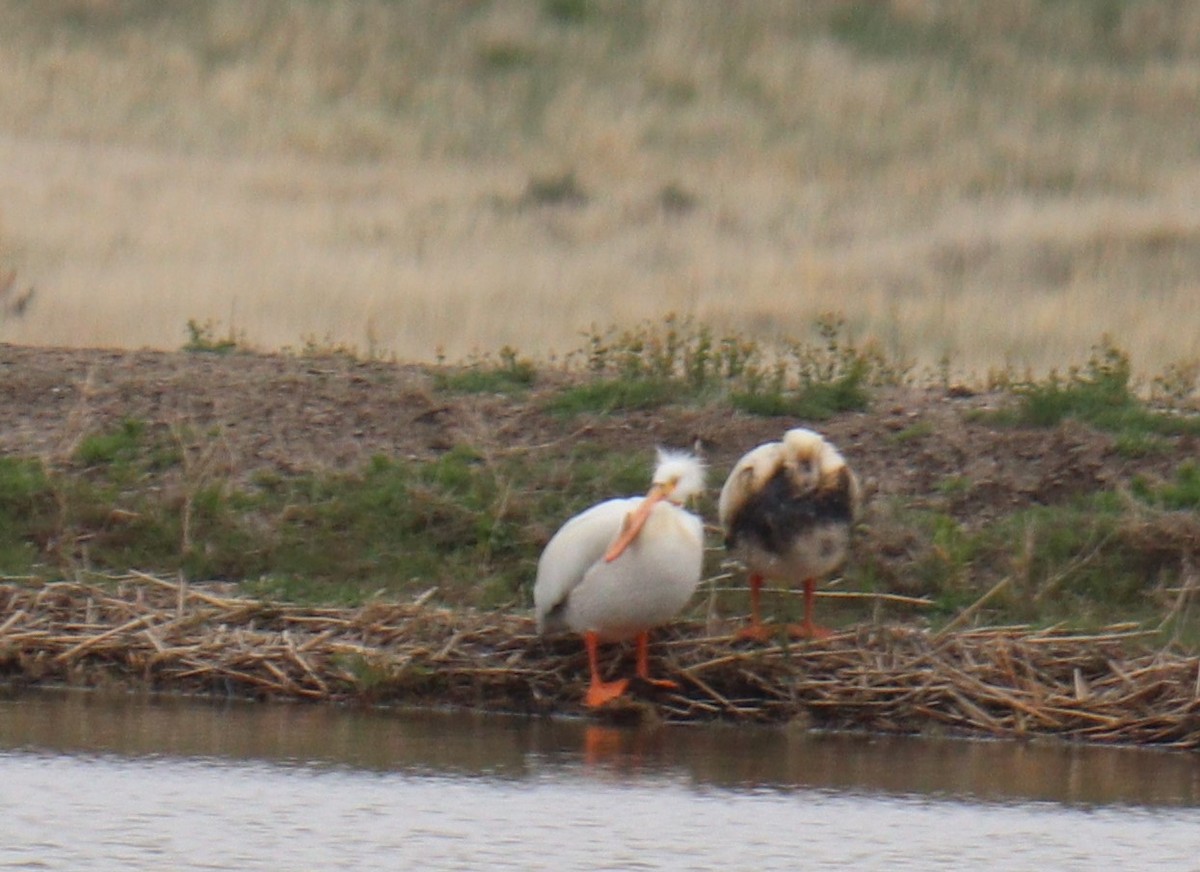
(1000, 183)
(1009, 681)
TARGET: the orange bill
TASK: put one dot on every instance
(635, 520)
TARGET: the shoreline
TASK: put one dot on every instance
(149, 634)
(1010, 579)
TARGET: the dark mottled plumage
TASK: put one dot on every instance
(773, 516)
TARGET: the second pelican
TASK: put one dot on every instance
(787, 509)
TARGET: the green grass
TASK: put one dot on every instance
(1099, 394)
(506, 56)
(568, 11)
(1140, 444)
(470, 527)
(616, 395)
(26, 504)
(954, 486)
(511, 374)
(816, 401)
(913, 433)
(816, 380)
(114, 447)
(873, 29)
(1182, 494)
(1090, 563)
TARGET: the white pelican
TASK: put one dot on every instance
(624, 566)
(787, 509)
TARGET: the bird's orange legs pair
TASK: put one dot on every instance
(757, 631)
(600, 691)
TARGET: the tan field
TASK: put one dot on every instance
(997, 183)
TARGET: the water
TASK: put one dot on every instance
(90, 782)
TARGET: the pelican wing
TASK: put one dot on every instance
(748, 475)
(578, 545)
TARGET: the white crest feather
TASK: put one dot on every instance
(685, 469)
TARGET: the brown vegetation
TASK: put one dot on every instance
(149, 633)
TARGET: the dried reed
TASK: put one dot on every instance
(146, 632)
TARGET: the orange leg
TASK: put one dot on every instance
(600, 691)
(756, 630)
(643, 664)
(807, 629)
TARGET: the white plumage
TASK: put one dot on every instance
(624, 566)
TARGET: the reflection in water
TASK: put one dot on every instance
(88, 782)
(513, 747)
(506, 747)
(979, 770)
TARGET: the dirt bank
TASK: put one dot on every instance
(286, 413)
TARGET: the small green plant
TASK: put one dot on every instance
(505, 56)
(954, 486)
(1138, 444)
(1182, 493)
(379, 678)
(556, 190)
(27, 511)
(652, 365)
(814, 403)
(816, 380)
(21, 481)
(675, 199)
(942, 566)
(1090, 563)
(121, 444)
(367, 674)
(913, 433)
(202, 338)
(567, 11)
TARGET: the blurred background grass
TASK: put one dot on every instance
(997, 184)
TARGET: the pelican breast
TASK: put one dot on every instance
(645, 586)
(784, 533)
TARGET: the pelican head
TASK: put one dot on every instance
(679, 475)
(809, 458)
